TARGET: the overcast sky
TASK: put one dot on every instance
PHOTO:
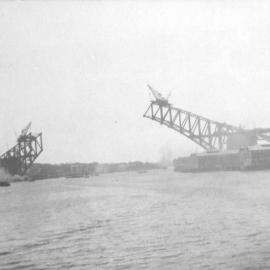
(78, 70)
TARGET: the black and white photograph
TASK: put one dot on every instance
(134, 135)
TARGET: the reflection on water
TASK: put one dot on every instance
(156, 220)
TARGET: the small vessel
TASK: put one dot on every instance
(143, 171)
(4, 184)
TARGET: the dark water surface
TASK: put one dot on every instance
(157, 220)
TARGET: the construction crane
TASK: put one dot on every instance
(20, 157)
(26, 129)
(209, 134)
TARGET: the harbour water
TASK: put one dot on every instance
(153, 220)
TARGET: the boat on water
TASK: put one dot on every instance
(142, 172)
(4, 184)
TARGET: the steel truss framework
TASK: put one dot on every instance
(19, 158)
(209, 134)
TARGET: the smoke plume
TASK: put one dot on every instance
(6, 177)
(166, 155)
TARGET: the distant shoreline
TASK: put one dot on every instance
(75, 170)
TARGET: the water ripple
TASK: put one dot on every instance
(155, 221)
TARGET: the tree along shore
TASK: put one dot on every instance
(70, 170)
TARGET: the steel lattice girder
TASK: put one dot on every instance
(209, 134)
(20, 157)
